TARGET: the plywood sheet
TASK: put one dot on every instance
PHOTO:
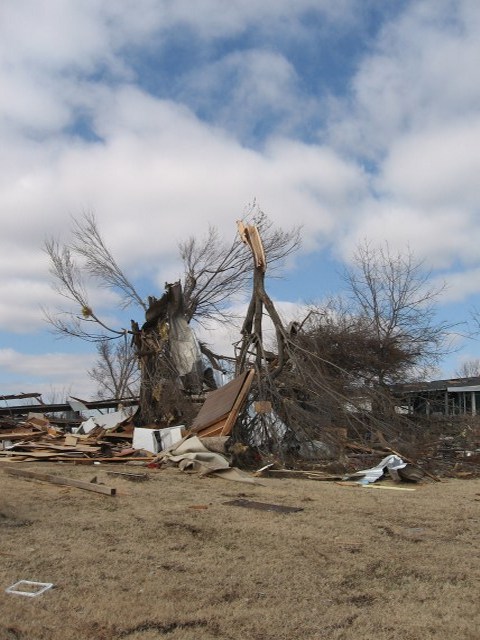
(220, 403)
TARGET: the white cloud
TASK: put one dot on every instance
(438, 236)
(436, 168)
(421, 73)
(462, 285)
(413, 114)
(153, 171)
(160, 172)
(246, 90)
(47, 373)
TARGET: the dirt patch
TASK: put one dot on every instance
(145, 564)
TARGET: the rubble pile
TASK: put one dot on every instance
(36, 438)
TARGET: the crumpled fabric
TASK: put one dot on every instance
(190, 454)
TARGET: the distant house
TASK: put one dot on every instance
(458, 396)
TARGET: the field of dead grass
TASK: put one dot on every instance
(153, 562)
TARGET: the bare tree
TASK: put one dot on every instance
(391, 294)
(116, 370)
(214, 271)
(469, 369)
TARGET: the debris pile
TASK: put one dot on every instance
(36, 438)
(284, 404)
(113, 437)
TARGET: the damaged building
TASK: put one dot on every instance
(452, 397)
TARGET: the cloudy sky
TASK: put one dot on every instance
(355, 118)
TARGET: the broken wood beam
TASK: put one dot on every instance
(70, 482)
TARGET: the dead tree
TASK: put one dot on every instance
(213, 271)
(268, 422)
(310, 393)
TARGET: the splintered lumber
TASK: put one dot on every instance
(120, 435)
(70, 482)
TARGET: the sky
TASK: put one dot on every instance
(357, 119)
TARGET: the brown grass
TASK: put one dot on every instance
(354, 564)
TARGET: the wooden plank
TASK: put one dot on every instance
(299, 474)
(125, 459)
(45, 446)
(70, 482)
(122, 435)
(349, 483)
(214, 430)
(380, 486)
(263, 506)
(19, 435)
(30, 454)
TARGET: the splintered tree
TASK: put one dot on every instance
(328, 374)
(285, 408)
(166, 351)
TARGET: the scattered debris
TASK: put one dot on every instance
(262, 506)
(37, 438)
(297, 474)
(133, 477)
(383, 486)
(391, 463)
(29, 588)
(358, 485)
(194, 454)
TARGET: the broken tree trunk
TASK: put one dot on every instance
(169, 358)
(252, 329)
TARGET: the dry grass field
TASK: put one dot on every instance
(167, 558)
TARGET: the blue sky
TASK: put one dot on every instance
(356, 118)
